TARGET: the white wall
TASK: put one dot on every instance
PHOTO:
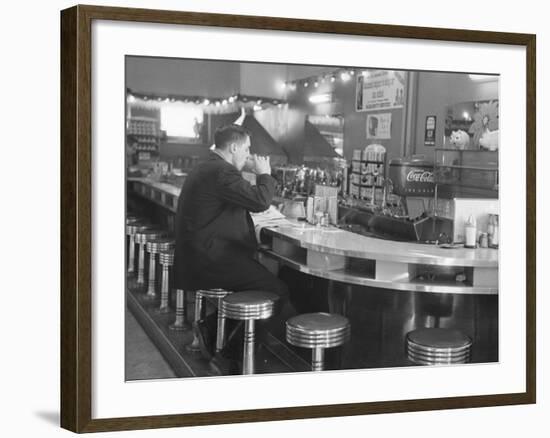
(30, 219)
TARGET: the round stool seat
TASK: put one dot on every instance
(161, 244)
(429, 346)
(143, 236)
(312, 330)
(213, 293)
(132, 219)
(136, 227)
(249, 305)
(166, 257)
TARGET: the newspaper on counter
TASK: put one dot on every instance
(268, 218)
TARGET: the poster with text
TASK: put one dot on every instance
(379, 126)
(380, 90)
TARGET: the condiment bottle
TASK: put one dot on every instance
(493, 241)
(471, 232)
(490, 229)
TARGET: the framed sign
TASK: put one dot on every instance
(429, 132)
(380, 90)
(95, 42)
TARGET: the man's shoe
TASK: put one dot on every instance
(200, 330)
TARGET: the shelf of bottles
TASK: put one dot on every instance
(144, 134)
(300, 181)
(367, 173)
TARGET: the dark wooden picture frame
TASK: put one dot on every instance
(76, 217)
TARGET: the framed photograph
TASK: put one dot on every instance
(343, 224)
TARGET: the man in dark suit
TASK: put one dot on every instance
(215, 239)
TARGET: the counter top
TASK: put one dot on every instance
(341, 242)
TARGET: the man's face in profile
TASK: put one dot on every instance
(240, 153)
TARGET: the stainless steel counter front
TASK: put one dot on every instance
(347, 257)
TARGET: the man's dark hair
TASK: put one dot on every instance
(228, 134)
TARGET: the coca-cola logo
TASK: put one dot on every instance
(418, 175)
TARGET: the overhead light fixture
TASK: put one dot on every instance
(345, 76)
(320, 98)
(257, 107)
(306, 84)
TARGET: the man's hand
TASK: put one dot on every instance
(261, 165)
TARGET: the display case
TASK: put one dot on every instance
(368, 172)
(466, 173)
(143, 133)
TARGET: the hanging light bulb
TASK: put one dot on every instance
(344, 76)
(332, 78)
(352, 72)
(206, 101)
(316, 84)
(306, 84)
(224, 102)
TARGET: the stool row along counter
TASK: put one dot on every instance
(315, 331)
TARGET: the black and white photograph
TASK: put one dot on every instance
(293, 218)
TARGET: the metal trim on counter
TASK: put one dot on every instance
(348, 244)
(344, 276)
(164, 194)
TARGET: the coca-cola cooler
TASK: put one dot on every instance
(412, 179)
(412, 176)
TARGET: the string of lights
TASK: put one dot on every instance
(208, 103)
(341, 74)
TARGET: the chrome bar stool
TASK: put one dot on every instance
(218, 295)
(131, 230)
(166, 260)
(318, 331)
(153, 247)
(141, 238)
(436, 346)
(249, 306)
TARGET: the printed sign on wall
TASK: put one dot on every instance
(379, 126)
(380, 90)
(429, 133)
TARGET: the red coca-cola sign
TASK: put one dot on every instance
(420, 175)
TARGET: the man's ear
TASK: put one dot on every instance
(232, 147)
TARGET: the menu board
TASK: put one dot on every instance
(380, 90)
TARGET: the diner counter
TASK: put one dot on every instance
(344, 256)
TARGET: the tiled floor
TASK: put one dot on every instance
(143, 360)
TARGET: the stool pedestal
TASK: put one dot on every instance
(141, 238)
(218, 295)
(154, 247)
(131, 230)
(179, 323)
(166, 260)
(249, 307)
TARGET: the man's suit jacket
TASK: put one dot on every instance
(213, 225)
